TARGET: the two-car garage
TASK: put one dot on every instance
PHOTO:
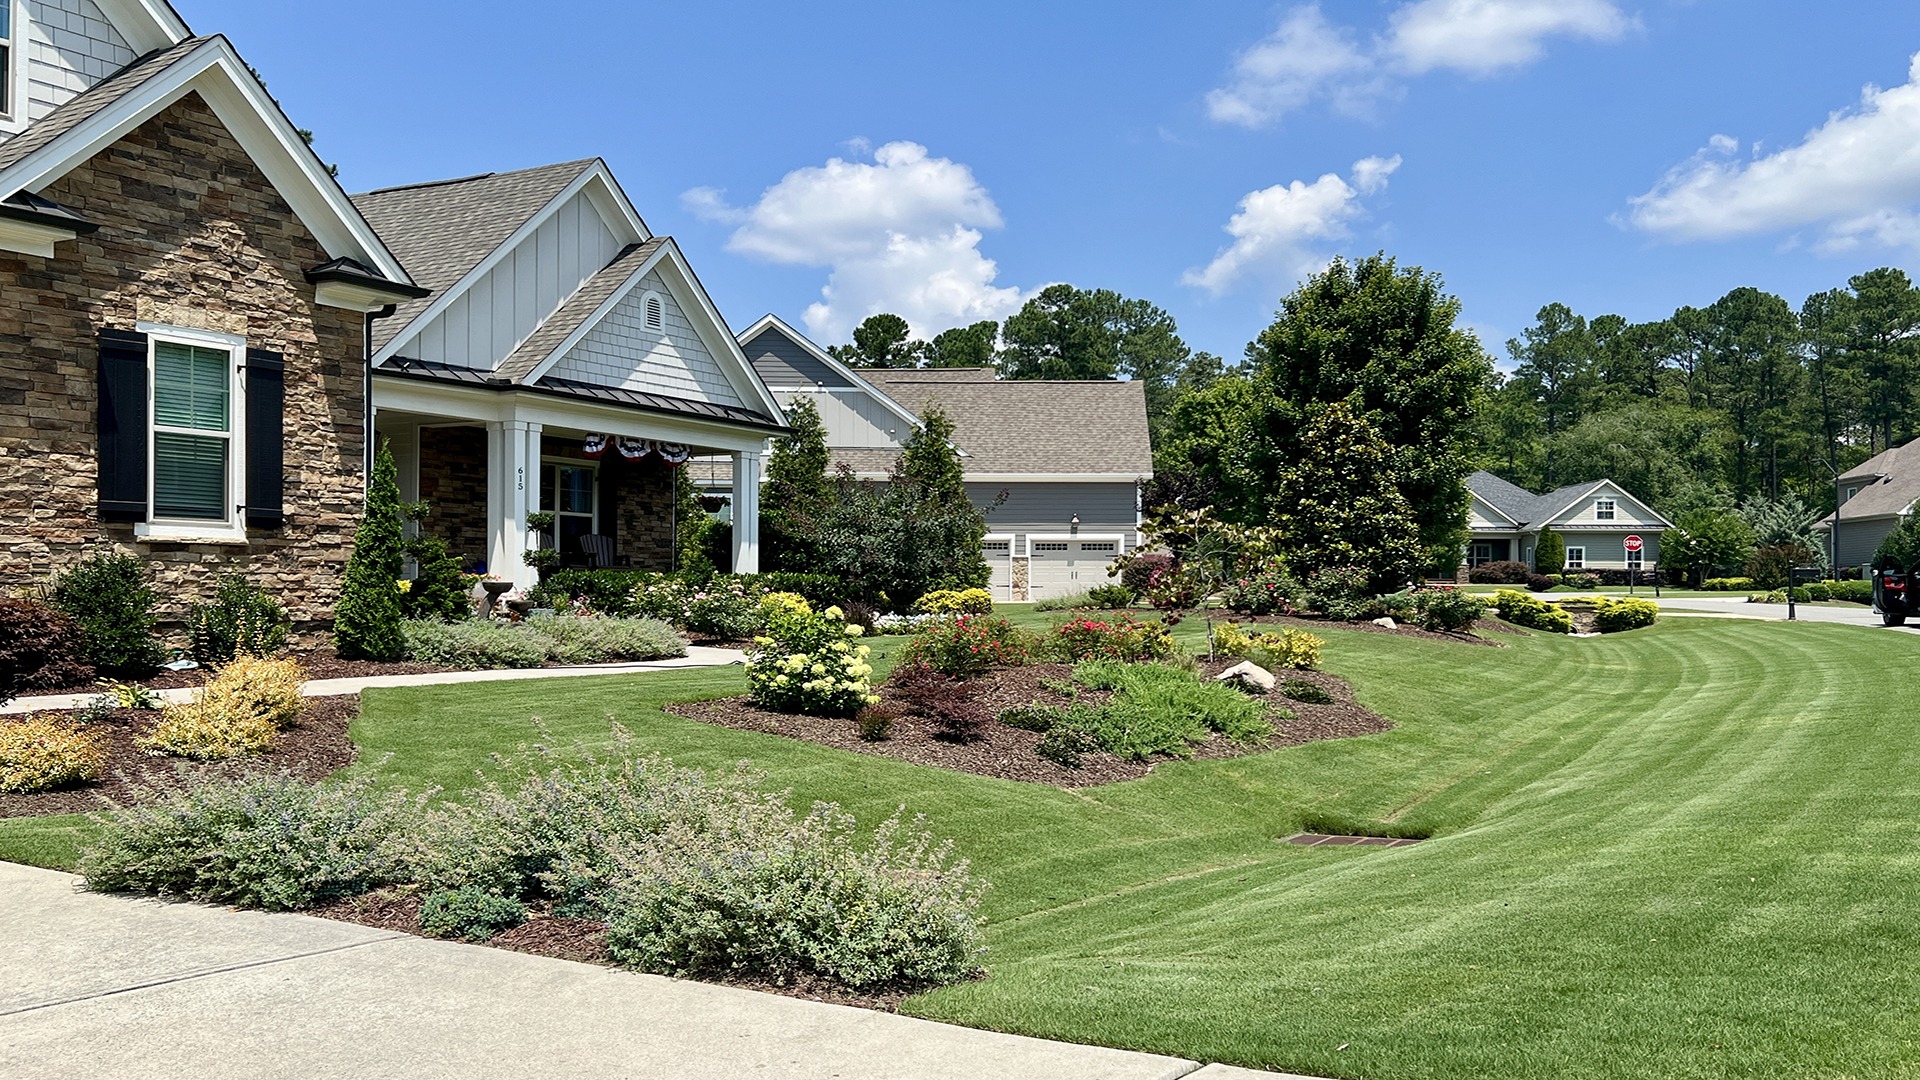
(1055, 566)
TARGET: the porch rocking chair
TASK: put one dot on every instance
(597, 550)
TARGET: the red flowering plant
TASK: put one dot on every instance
(1120, 639)
(966, 646)
(1264, 589)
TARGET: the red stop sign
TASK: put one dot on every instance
(1634, 543)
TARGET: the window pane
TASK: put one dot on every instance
(575, 490)
(6, 19)
(546, 487)
(189, 476)
(190, 386)
(571, 530)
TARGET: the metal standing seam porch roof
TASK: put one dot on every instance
(430, 371)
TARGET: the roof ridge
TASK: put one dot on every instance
(418, 185)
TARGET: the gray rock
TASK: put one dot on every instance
(1248, 676)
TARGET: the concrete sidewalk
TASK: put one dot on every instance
(105, 986)
(697, 656)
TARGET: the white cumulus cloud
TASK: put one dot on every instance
(900, 233)
(1282, 230)
(1857, 175)
(1308, 58)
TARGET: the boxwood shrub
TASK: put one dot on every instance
(1522, 610)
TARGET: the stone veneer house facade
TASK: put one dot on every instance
(198, 328)
(184, 300)
(1068, 456)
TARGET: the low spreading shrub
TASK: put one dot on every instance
(39, 649)
(271, 842)
(1304, 691)
(1523, 610)
(1269, 590)
(1288, 648)
(875, 722)
(955, 602)
(1506, 572)
(1158, 709)
(951, 705)
(469, 913)
(1819, 591)
(807, 662)
(1121, 639)
(1611, 615)
(966, 646)
(472, 644)
(564, 639)
(1580, 581)
(1031, 717)
(1541, 582)
(1066, 743)
(1446, 610)
(242, 619)
(236, 712)
(1851, 590)
(903, 624)
(38, 753)
(107, 594)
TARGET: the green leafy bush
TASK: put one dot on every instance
(1158, 709)
(1066, 743)
(241, 619)
(39, 753)
(108, 596)
(966, 646)
(273, 842)
(439, 590)
(807, 662)
(1032, 717)
(1522, 610)
(1121, 638)
(1611, 615)
(474, 644)
(39, 649)
(1446, 610)
(1267, 590)
(1304, 691)
(1580, 581)
(1819, 591)
(1851, 590)
(955, 602)
(1730, 584)
(1341, 593)
(561, 639)
(469, 914)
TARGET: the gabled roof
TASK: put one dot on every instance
(445, 230)
(771, 323)
(578, 310)
(1032, 427)
(208, 66)
(1892, 496)
(1516, 502)
(1530, 511)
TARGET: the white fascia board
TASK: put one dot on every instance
(146, 24)
(775, 322)
(714, 333)
(1553, 520)
(626, 227)
(27, 238)
(476, 404)
(217, 73)
(1504, 516)
(610, 199)
(1056, 478)
(1618, 492)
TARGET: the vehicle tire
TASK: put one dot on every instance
(1893, 620)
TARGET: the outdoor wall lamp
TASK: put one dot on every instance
(1074, 520)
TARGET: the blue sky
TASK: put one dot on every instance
(943, 160)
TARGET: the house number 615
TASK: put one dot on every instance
(520, 478)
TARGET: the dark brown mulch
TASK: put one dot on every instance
(1401, 629)
(314, 746)
(320, 664)
(584, 940)
(1007, 753)
(382, 909)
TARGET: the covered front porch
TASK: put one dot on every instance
(1488, 546)
(486, 458)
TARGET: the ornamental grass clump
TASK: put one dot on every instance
(810, 663)
(237, 712)
(39, 753)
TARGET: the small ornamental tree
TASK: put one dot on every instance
(797, 488)
(1550, 554)
(930, 460)
(1339, 503)
(366, 622)
(1900, 551)
(1707, 540)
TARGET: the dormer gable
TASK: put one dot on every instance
(51, 51)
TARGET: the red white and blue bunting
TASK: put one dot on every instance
(633, 449)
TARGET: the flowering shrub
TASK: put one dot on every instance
(1171, 588)
(1117, 639)
(1286, 649)
(1341, 593)
(956, 602)
(966, 646)
(1266, 590)
(38, 753)
(904, 624)
(808, 663)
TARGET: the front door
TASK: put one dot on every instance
(568, 492)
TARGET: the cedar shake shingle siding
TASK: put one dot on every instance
(193, 235)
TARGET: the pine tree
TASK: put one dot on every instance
(797, 488)
(366, 622)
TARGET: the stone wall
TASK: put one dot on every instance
(636, 502)
(453, 478)
(191, 234)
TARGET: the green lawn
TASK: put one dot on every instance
(1688, 851)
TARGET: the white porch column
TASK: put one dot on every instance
(513, 491)
(746, 510)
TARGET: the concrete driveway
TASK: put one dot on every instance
(101, 986)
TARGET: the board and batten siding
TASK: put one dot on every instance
(782, 364)
(622, 351)
(486, 323)
(70, 46)
(1608, 550)
(1046, 507)
(853, 419)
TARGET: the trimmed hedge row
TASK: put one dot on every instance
(611, 591)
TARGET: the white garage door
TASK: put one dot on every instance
(1000, 560)
(1058, 567)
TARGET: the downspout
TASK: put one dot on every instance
(366, 400)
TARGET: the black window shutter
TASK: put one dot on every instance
(266, 438)
(123, 426)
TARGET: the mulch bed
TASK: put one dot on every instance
(313, 747)
(1007, 753)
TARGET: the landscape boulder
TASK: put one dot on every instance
(1248, 676)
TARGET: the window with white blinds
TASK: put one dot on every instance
(192, 431)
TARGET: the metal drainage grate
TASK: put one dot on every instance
(1314, 839)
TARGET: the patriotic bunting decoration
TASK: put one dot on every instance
(594, 446)
(631, 448)
(673, 453)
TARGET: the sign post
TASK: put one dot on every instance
(1635, 545)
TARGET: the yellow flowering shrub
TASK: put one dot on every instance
(1287, 649)
(808, 663)
(956, 602)
(37, 753)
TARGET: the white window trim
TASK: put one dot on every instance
(1637, 560)
(1605, 509)
(578, 463)
(19, 84)
(1579, 561)
(234, 528)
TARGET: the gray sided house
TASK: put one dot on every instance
(567, 362)
(184, 299)
(1069, 456)
(1874, 499)
(1594, 519)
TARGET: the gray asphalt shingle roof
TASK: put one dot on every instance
(576, 310)
(1522, 505)
(441, 230)
(1031, 426)
(93, 100)
(1888, 497)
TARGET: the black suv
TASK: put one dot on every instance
(1891, 596)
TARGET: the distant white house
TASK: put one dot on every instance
(1594, 519)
